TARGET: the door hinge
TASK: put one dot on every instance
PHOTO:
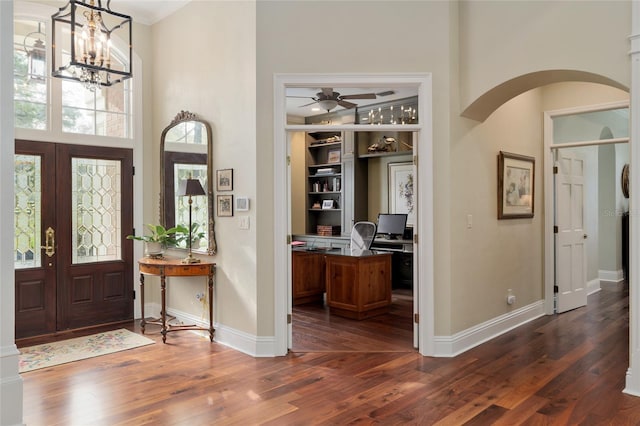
(289, 239)
(288, 160)
(415, 160)
(134, 295)
(556, 289)
(416, 318)
(555, 170)
(555, 229)
(289, 319)
(133, 170)
(415, 238)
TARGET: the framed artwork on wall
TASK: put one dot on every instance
(225, 205)
(515, 185)
(224, 180)
(401, 196)
(333, 156)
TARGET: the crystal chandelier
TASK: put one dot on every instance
(82, 34)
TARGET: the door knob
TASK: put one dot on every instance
(50, 242)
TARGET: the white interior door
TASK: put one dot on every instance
(570, 250)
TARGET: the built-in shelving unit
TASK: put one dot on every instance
(324, 183)
(384, 144)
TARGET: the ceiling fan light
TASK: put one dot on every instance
(328, 104)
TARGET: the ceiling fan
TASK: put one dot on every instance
(328, 99)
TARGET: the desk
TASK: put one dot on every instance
(307, 278)
(175, 268)
(402, 260)
(358, 286)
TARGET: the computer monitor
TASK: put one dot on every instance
(391, 225)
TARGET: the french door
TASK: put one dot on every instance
(73, 209)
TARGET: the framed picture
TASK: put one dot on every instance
(401, 195)
(225, 205)
(333, 156)
(224, 180)
(515, 185)
(242, 204)
(327, 204)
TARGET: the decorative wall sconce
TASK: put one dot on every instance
(82, 33)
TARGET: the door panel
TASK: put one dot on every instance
(571, 266)
(87, 199)
(35, 205)
(94, 251)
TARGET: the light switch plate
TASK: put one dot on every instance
(244, 222)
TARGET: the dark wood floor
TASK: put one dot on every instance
(557, 370)
(316, 330)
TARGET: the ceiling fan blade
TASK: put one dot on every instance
(301, 97)
(346, 104)
(360, 96)
(306, 105)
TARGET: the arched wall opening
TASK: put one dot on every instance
(499, 255)
(491, 100)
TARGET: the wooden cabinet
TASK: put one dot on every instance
(308, 276)
(358, 287)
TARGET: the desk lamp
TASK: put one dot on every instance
(190, 187)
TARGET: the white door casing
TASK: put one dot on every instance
(570, 252)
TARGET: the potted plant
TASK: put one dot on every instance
(157, 240)
(182, 235)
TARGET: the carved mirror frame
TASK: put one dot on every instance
(167, 188)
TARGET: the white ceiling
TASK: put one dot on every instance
(147, 12)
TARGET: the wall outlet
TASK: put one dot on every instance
(511, 298)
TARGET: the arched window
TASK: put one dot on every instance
(59, 105)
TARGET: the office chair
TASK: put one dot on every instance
(362, 236)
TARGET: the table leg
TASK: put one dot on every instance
(142, 321)
(211, 305)
(163, 285)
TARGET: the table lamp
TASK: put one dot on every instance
(190, 187)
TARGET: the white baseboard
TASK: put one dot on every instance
(10, 387)
(450, 346)
(613, 276)
(593, 286)
(249, 344)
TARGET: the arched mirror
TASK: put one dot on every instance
(185, 153)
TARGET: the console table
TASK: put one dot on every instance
(175, 268)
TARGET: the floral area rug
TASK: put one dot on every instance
(50, 354)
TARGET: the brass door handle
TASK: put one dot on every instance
(50, 242)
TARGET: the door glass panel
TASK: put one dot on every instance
(96, 210)
(199, 207)
(28, 202)
(591, 126)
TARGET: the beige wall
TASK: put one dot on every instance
(501, 40)
(297, 37)
(203, 61)
(495, 45)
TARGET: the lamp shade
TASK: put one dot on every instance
(328, 104)
(191, 187)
